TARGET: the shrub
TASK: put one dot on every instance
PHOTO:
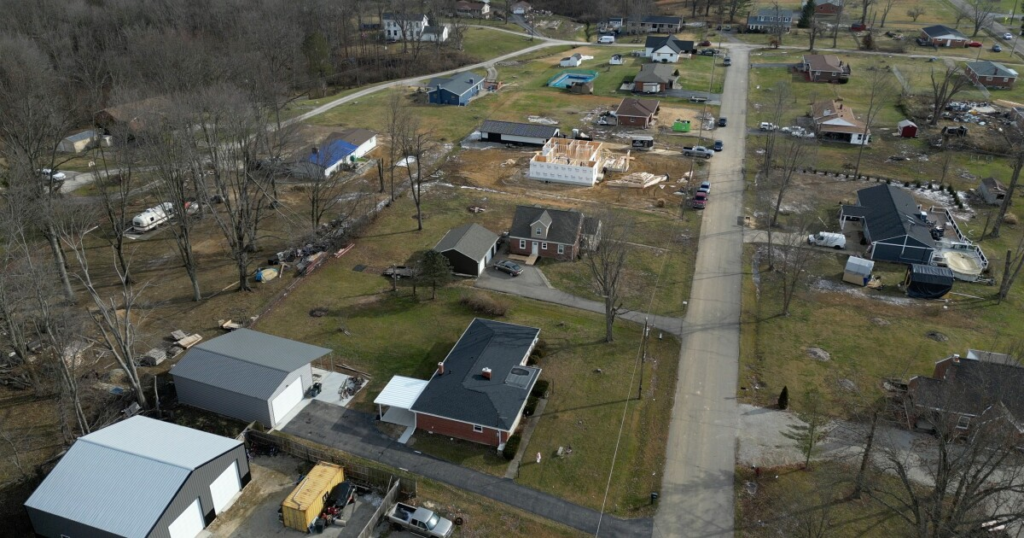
(660, 202)
(541, 349)
(540, 388)
(784, 398)
(482, 303)
(531, 406)
(1009, 218)
(511, 447)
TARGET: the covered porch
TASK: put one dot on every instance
(394, 403)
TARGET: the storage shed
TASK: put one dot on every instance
(858, 271)
(305, 503)
(468, 248)
(78, 142)
(516, 133)
(928, 281)
(247, 375)
(907, 129)
(141, 478)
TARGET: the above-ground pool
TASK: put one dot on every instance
(566, 78)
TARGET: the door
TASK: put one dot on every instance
(535, 249)
(224, 488)
(287, 400)
(189, 523)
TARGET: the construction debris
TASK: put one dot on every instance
(637, 180)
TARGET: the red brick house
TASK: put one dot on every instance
(655, 78)
(548, 233)
(828, 7)
(992, 75)
(637, 112)
(943, 36)
(825, 68)
(479, 391)
(964, 391)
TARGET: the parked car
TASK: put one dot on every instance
(727, 61)
(765, 126)
(997, 48)
(399, 271)
(858, 27)
(973, 44)
(606, 39)
(700, 200)
(719, 146)
(722, 122)
(508, 266)
(697, 151)
(419, 521)
(705, 187)
(704, 43)
(1007, 36)
(827, 239)
(707, 52)
(54, 175)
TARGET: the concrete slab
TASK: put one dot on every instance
(330, 393)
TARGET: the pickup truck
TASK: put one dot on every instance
(697, 151)
(419, 521)
(700, 200)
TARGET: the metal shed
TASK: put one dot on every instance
(140, 477)
(858, 271)
(247, 375)
(907, 129)
(928, 282)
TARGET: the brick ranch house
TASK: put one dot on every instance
(824, 68)
(828, 7)
(637, 112)
(478, 393)
(992, 75)
(943, 36)
(552, 233)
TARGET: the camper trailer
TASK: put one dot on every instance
(641, 142)
(152, 217)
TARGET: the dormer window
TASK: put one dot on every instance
(539, 231)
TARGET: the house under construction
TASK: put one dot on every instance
(564, 160)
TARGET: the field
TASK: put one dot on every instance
(484, 44)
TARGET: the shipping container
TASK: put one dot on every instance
(305, 503)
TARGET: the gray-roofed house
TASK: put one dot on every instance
(825, 68)
(517, 133)
(468, 248)
(139, 478)
(655, 78)
(893, 225)
(637, 112)
(992, 75)
(457, 89)
(770, 20)
(992, 191)
(247, 375)
(655, 23)
(943, 36)
(479, 391)
(965, 391)
(546, 233)
(667, 49)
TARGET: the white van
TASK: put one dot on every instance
(606, 39)
(827, 239)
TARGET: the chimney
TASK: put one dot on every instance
(486, 372)
(440, 368)
(956, 358)
(316, 150)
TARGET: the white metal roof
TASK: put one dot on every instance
(860, 266)
(120, 479)
(401, 392)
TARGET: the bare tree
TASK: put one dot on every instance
(396, 125)
(792, 154)
(887, 6)
(864, 6)
(881, 93)
(1018, 163)
(979, 12)
(116, 179)
(1014, 263)
(607, 265)
(915, 12)
(737, 6)
(835, 24)
(810, 431)
(793, 259)
(415, 145)
(944, 88)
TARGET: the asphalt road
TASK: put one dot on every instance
(697, 489)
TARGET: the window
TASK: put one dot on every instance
(540, 231)
(1006, 79)
(522, 243)
(544, 246)
(561, 249)
(988, 79)
(478, 429)
(963, 422)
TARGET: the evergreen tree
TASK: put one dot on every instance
(784, 398)
(806, 15)
(435, 271)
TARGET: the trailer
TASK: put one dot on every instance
(153, 217)
(642, 142)
(303, 505)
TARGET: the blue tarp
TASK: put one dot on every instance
(332, 153)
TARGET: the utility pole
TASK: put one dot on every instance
(643, 360)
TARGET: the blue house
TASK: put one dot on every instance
(457, 89)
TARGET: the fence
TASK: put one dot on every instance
(389, 500)
(359, 473)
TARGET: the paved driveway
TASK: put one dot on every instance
(533, 285)
(355, 433)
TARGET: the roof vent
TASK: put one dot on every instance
(440, 368)
(486, 372)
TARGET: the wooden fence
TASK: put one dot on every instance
(389, 500)
(374, 477)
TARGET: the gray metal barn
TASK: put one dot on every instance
(247, 375)
(516, 133)
(140, 478)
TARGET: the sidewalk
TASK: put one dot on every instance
(531, 424)
(355, 433)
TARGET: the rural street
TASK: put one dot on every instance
(697, 488)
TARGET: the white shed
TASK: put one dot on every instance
(77, 142)
(858, 271)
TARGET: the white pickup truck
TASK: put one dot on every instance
(419, 521)
(698, 151)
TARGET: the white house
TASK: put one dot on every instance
(563, 160)
(521, 8)
(667, 49)
(572, 61)
(833, 120)
(412, 27)
(364, 141)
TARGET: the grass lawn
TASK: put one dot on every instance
(384, 334)
(485, 44)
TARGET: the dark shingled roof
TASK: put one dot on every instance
(247, 362)
(971, 387)
(677, 45)
(470, 239)
(563, 226)
(662, 19)
(462, 393)
(659, 73)
(518, 129)
(404, 16)
(939, 30)
(458, 84)
(891, 212)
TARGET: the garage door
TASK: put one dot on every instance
(189, 523)
(287, 400)
(224, 488)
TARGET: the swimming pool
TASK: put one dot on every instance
(566, 78)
